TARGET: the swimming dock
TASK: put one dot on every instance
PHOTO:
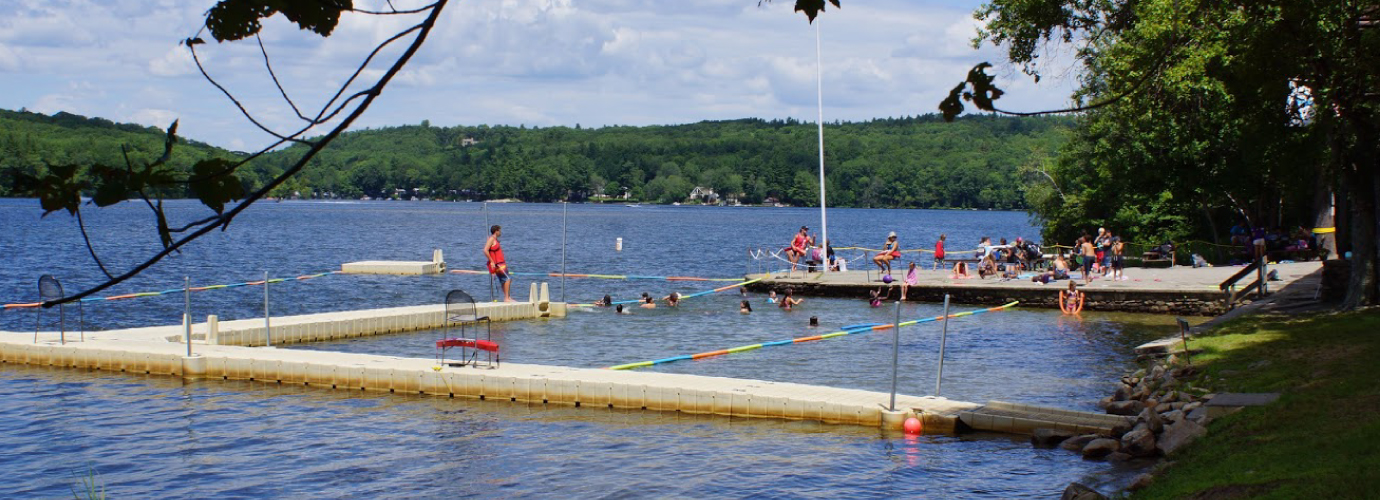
(1178, 290)
(436, 266)
(228, 350)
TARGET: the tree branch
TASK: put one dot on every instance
(423, 30)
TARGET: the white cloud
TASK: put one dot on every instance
(177, 61)
(535, 62)
(9, 61)
(160, 118)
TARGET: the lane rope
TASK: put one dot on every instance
(177, 290)
(847, 330)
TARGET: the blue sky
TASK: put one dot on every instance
(510, 62)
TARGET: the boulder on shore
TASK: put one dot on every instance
(1077, 443)
(1139, 443)
(1101, 447)
(1049, 438)
(1077, 491)
(1127, 408)
(1178, 435)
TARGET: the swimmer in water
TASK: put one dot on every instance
(745, 307)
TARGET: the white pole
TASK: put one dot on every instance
(823, 219)
(268, 330)
(187, 312)
(564, 224)
(943, 339)
(895, 355)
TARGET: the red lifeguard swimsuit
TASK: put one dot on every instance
(498, 264)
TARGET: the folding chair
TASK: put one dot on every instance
(462, 312)
(49, 288)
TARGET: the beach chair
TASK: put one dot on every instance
(49, 288)
(462, 313)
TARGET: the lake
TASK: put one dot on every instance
(156, 436)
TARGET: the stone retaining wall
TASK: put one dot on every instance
(1196, 303)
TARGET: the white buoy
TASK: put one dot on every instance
(618, 245)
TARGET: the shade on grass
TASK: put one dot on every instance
(1321, 439)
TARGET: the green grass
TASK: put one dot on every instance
(1321, 439)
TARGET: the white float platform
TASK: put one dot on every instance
(437, 265)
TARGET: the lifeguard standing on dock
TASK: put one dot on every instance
(498, 266)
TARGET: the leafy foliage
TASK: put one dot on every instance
(1202, 131)
(231, 20)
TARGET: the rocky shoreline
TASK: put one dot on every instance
(1169, 412)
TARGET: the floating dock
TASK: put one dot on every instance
(1178, 290)
(228, 350)
(398, 267)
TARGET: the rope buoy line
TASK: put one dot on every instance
(178, 290)
(603, 276)
(847, 330)
(682, 297)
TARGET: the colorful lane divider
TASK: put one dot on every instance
(682, 297)
(847, 330)
(178, 290)
(603, 276)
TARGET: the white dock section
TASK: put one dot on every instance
(436, 266)
(509, 382)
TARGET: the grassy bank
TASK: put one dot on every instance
(1321, 439)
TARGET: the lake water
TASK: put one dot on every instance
(155, 436)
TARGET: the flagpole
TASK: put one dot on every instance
(823, 218)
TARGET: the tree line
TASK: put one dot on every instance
(978, 162)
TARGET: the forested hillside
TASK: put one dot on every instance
(30, 142)
(975, 162)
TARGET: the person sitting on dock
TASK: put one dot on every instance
(960, 271)
(788, 301)
(797, 248)
(988, 266)
(912, 277)
(1061, 267)
(890, 251)
(498, 265)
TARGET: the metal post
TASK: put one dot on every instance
(187, 312)
(895, 354)
(492, 298)
(268, 331)
(564, 225)
(943, 338)
(1263, 276)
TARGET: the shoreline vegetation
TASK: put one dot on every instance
(1318, 440)
(978, 162)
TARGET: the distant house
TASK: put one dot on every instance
(704, 194)
(468, 141)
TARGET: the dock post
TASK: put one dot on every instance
(564, 224)
(187, 312)
(268, 331)
(943, 338)
(895, 355)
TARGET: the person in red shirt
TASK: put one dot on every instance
(798, 246)
(498, 265)
(939, 252)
